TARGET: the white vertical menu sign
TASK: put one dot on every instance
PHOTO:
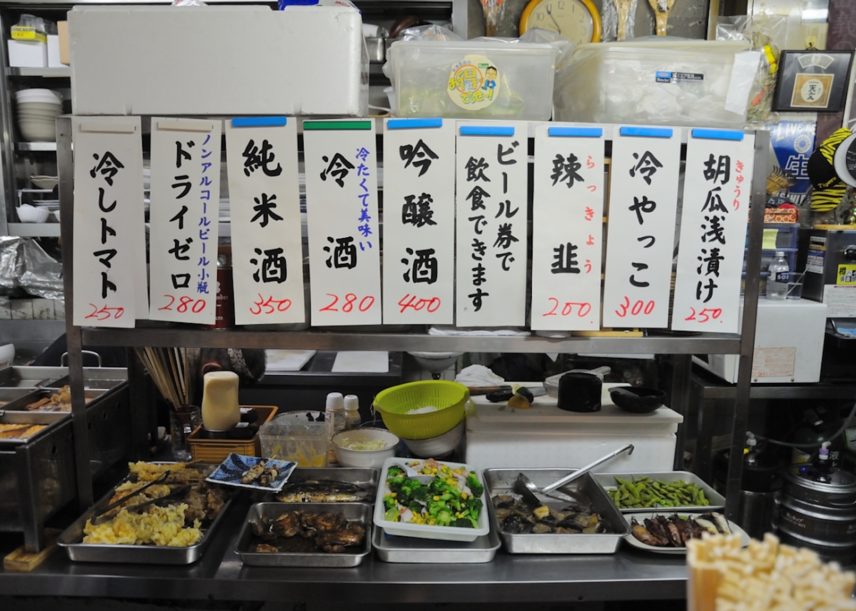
(491, 225)
(109, 232)
(715, 212)
(184, 217)
(641, 226)
(567, 227)
(267, 254)
(342, 213)
(419, 220)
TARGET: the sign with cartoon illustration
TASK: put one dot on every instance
(474, 82)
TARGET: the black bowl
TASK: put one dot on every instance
(638, 400)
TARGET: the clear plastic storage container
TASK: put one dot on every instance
(299, 436)
(696, 83)
(488, 79)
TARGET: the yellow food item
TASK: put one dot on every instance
(162, 526)
(147, 471)
(764, 576)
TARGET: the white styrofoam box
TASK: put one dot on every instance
(434, 78)
(305, 60)
(789, 337)
(5, 310)
(59, 309)
(53, 58)
(546, 436)
(681, 82)
(43, 309)
(27, 54)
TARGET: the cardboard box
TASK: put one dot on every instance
(220, 60)
(54, 60)
(27, 54)
(64, 42)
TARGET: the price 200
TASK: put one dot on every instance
(101, 313)
(704, 315)
(580, 309)
(183, 304)
(635, 308)
(350, 303)
(266, 305)
(417, 304)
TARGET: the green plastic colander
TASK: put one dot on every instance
(395, 405)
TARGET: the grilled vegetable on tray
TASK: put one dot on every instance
(675, 530)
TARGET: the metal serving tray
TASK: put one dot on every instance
(366, 478)
(717, 501)
(47, 418)
(501, 481)
(71, 541)
(262, 511)
(8, 395)
(408, 550)
(20, 404)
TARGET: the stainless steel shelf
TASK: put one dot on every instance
(35, 146)
(60, 72)
(34, 230)
(324, 340)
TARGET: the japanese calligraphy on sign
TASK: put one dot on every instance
(713, 232)
(419, 218)
(491, 225)
(267, 254)
(567, 228)
(342, 214)
(184, 219)
(109, 239)
(641, 228)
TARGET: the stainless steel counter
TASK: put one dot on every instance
(628, 575)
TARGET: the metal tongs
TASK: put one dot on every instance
(99, 516)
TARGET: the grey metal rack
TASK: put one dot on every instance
(681, 347)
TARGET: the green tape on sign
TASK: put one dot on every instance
(310, 126)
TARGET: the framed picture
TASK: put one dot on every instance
(812, 81)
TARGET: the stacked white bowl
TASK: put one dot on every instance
(37, 113)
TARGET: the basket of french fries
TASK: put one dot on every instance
(725, 575)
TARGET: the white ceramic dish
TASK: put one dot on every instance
(32, 214)
(675, 551)
(347, 456)
(424, 531)
(44, 182)
(437, 447)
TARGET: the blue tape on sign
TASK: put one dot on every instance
(485, 130)
(646, 132)
(575, 132)
(717, 134)
(414, 123)
(259, 121)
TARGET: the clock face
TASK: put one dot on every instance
(574, 20)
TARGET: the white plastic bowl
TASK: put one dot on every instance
(32, 214)
(436, 447)
(38, 95)
(347, 456)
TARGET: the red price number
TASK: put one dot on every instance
(104, 312)
(580, 309)
(349, 303)
(417, 304)
(704, 315)
(183, 304)
(266, 305)
(635, 308)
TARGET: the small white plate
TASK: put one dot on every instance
(640, 517)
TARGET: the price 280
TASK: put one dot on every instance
(183, 304)
(349, 303)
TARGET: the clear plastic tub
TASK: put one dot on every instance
(488, 79)
(297, 436)
(697, 83)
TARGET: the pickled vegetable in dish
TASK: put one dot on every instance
(438, 495)
(517, 518)
(647, 492)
